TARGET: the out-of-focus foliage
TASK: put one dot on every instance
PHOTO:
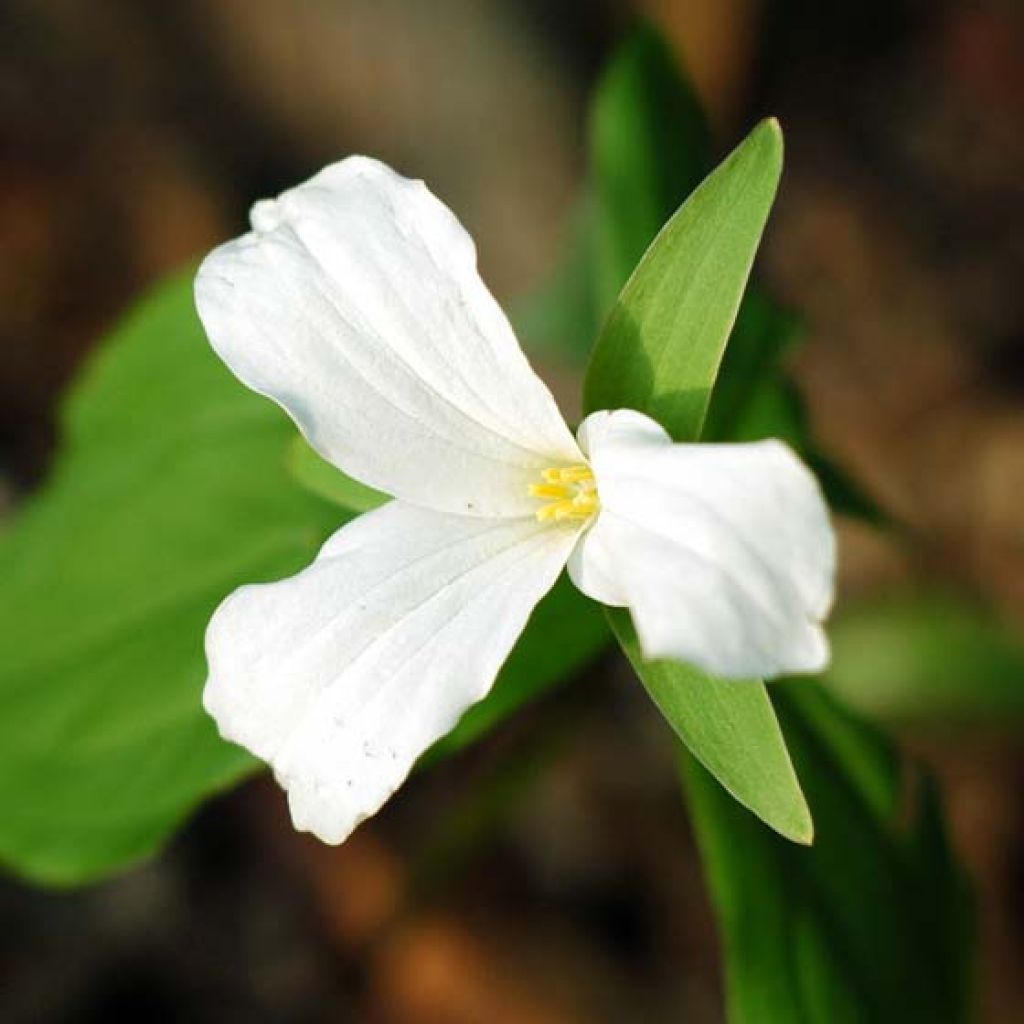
(871, 924)
(649, 149)
(929, 657)
(650, 146)
(560, 320)
(774, 408)
(764, 332)
(169, 490)
(319, 477)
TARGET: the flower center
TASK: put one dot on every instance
(570, 492)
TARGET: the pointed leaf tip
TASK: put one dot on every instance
(662, 344)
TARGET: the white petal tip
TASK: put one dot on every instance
(310, 814)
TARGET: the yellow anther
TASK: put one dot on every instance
(572, 492)
(554, 511)
(567, 474)
(555, 491)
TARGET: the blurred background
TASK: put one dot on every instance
(135, 135)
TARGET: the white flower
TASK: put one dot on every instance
(355, 303)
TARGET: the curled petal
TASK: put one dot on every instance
(723, 553)
(355, 303)
(343, 675)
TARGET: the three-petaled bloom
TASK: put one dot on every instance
(355, 303)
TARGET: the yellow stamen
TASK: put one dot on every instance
(549, 491)
(573, 494)
(567, 474)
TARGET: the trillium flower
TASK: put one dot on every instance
(355, 303)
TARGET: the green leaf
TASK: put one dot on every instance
(871, 924)
(662, 345)
(170, 491)
(730, 727)
(649, 149)
(928, 657)
(660, 352)
(845, 494)
(319, 477)
(799, 942)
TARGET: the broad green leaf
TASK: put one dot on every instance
(170, 490)
(175, 484)
(730, 727)
(319, 477)
(663, 343)
(928, 657)
(871, 924)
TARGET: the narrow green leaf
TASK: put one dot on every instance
(799, 925)
(871, 924)
(663, 343)
(730, 727)
(650, 147)
(660, 352)
(319, 477)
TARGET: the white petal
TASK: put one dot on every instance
(343, 675)
(723, 553)
(355, 303)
